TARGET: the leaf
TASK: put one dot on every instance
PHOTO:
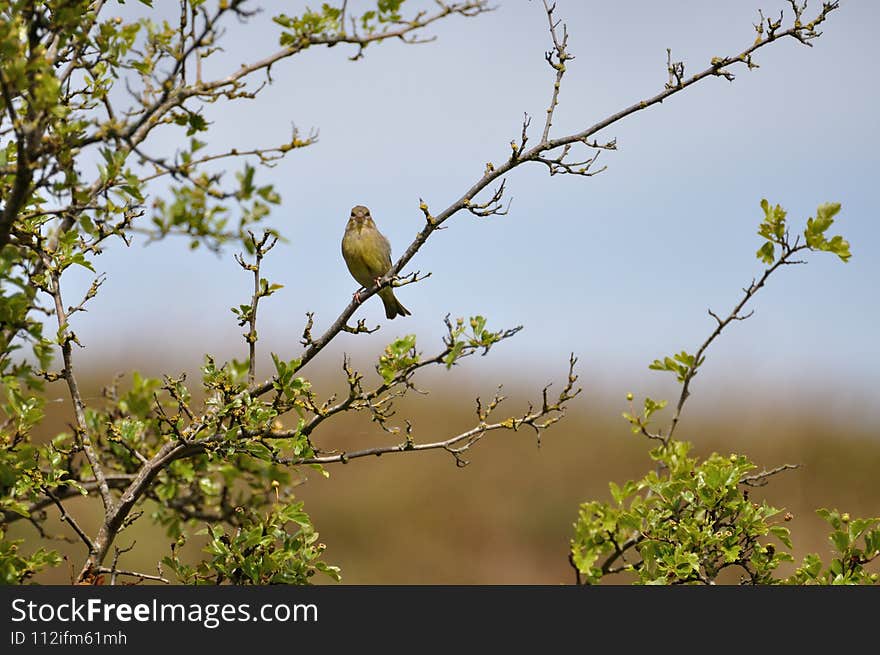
(825, 214)
(840, 247)
(616, 493)
(840, 540)
(782, 533)
(652, 406)
(767, 253)
(454, 354)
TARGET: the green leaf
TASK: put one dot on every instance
(781, 533)
(400, 356)
(814, 234)
(840, 540)
(767, 253)
(652, 406)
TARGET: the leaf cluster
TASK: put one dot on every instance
(690, 519)
(280, 547)
(684, 525)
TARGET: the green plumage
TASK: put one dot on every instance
(367, 254)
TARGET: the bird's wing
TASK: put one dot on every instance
(386, 249)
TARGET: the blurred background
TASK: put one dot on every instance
(619, 268)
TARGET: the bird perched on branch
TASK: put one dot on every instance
(367, 254)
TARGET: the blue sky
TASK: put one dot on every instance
(619, 268)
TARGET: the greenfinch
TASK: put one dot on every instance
(367, 254)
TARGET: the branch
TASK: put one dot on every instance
(133, 574)
(91, 293)
(70, 520)
(468, 9)
(537, 419)
(620, 552)
(492, 207)
(735, 315)
(249, 316)
(267, 156)
(27, 139)
(359, 399)
(65, 337)
(114, 481)
(556, 58)
(760, 479)
(117, 551)
(557, 165)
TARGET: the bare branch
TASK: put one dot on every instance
(266, 156)
(675, 69)
(82, 432)
(734, 315)
(360, 328)
(491, 207)
(556, 58)
(558, 164)
(307, 330)
(360, 399)
(132, 574)
(261, 289)
(70, 520)
(468, 9)
(760, 479)
(412, 278)
(91, 293)
(117, 551)
(537, 419)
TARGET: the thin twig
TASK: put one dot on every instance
(132, 574)
(82, 431)
(260, 247)
(760, 479)
(117, 551)
(537, 419)
(735, 315)
(70, 520)
(561, 56)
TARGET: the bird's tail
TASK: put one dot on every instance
(392, 304)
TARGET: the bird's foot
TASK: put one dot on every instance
(356, 296)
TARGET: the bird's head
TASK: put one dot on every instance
(360, 216)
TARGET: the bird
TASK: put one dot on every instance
(367, 253)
